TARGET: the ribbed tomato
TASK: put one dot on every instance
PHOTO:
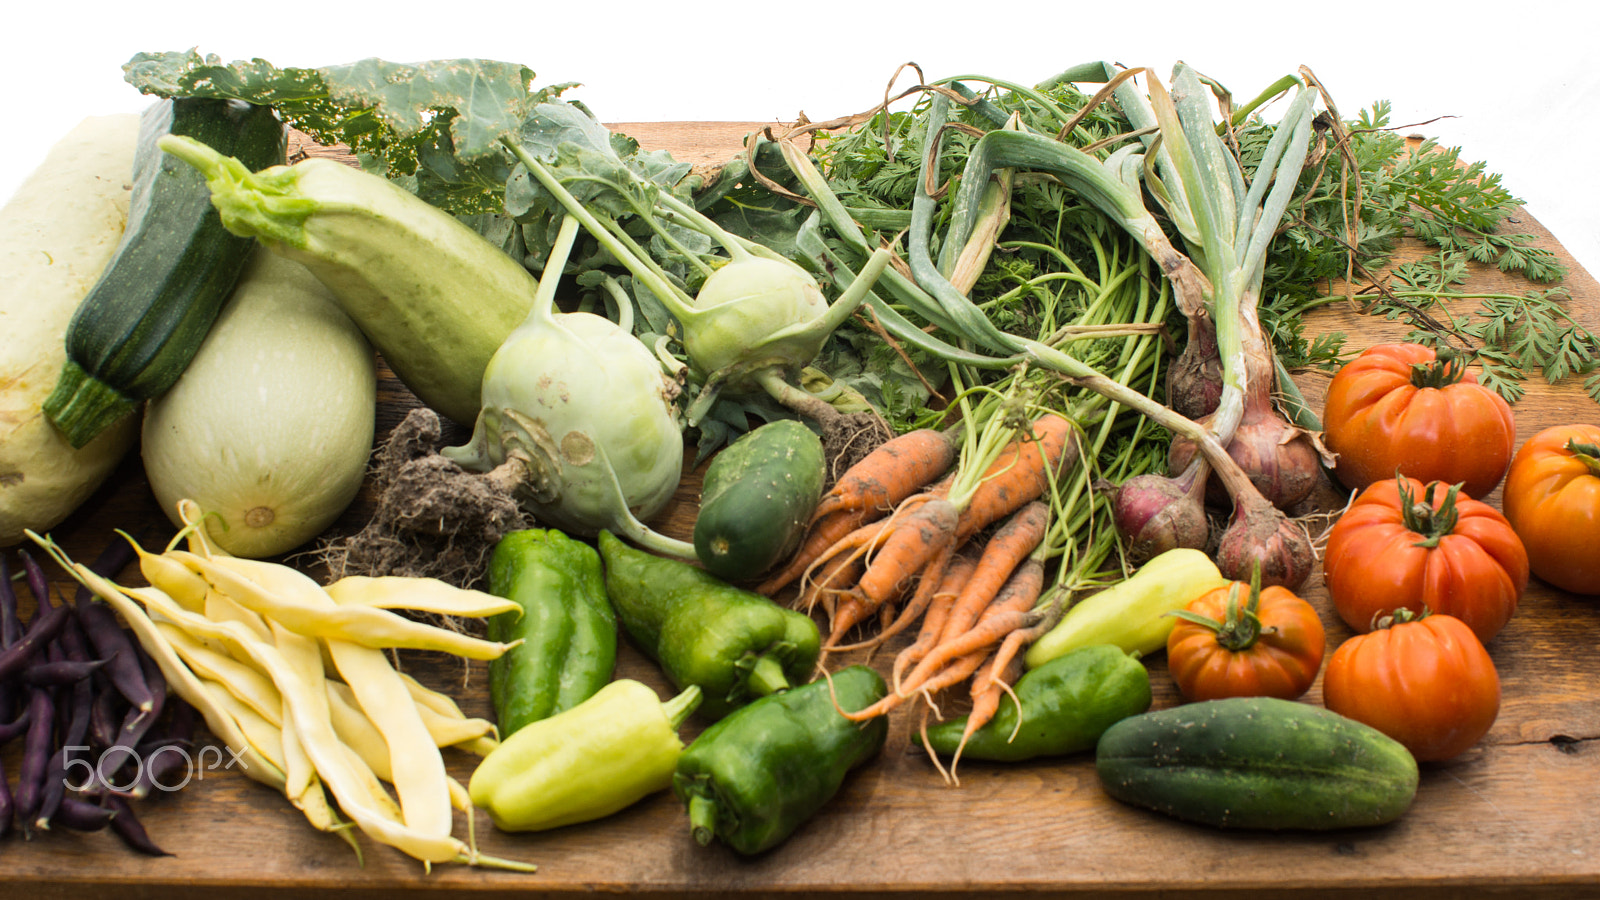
(1240, 640)
(1403, 545)
(1401, 407)
(1552, 499)
(1426, 682)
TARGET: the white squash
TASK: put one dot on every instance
(270, 428)
(57, 233)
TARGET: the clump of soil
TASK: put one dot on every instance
(434, 519)
(848, 437)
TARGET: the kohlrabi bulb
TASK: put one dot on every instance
(746, 314)
(588, 404)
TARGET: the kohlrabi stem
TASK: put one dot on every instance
(642, 269)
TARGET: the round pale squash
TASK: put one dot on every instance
(270, 428)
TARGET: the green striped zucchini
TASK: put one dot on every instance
(145, 318)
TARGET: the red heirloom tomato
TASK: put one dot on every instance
(1239, 640)
(1401, 545)
(1399, 407)
(1426, 682)
(1552, 499)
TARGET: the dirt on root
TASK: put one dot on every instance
(849, 437)
(434, 519)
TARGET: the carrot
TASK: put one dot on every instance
(1002, 554)
(987, 687)
(822, 535)
(915, 542)
(834, 577)
(952, 674)
(1012, 607)
(930, 582)
(891, 473)
(955, 578)
(1021, 474)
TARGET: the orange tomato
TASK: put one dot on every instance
(1426, 682)
(1403, 545)
(1399, 407)
(1240, 640)
(1552, 499)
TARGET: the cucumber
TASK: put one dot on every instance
(756, 499)
(140, 326)
(1257, 763)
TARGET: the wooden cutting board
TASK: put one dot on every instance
(1516, 815)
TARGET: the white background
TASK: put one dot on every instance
(1512, 84)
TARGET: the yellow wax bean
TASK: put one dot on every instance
(303, 611)
(357, 731)
(419, 594)
(248, 685)
(417, 768)
(266, 738)
(178, 676)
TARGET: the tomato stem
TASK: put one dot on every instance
(1423, 517)
(1240, 628)
(1588, 454)
(1446, 369)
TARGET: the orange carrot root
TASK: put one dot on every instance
(1012, 607)
(917, 540)
(1019, 475)
(821, 536)
(891, 473)
(956, 575)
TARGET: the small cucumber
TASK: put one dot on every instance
(757, 496)
(1257, 763)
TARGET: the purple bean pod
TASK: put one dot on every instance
(106, 717)
(81, 815)
(10, 622)
(60, 673)
(56, 774)
(15, 728)
(40, 634)
(162, 764)
(7, 803)
(105, 632)
(129, 828)
(35, 753)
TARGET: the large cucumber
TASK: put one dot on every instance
(757, 496)
(1257, 763)
(145, 319)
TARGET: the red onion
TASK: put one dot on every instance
(1261, 533)
(1194, 382)
(1154, 513)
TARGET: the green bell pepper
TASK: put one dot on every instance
(567, 627)
(1065, 705)
(735, 644)
(754, 777)
(600, 756)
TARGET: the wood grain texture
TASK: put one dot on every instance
(1514, 816)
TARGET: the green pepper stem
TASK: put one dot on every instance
(678, 708)
(767, 677)
(702, 818)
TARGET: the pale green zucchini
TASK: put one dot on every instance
(57, 234)
(270, 426)
(434, 297)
